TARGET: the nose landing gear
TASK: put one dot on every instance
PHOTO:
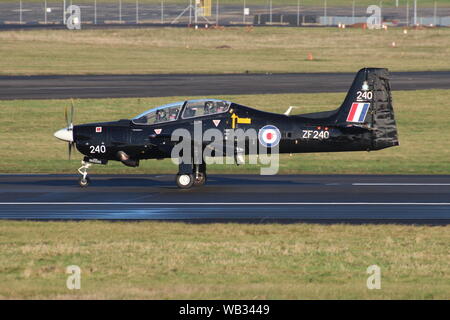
(84, 180)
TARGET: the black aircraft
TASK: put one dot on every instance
(365, 121)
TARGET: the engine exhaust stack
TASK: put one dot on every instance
(126, 160)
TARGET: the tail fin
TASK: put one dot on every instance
(369, 104)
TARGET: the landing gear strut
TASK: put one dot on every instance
(84, 180)
(191, 175)
(199, 174)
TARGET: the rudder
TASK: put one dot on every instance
(368, 104)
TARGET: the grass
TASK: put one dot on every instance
(176, 50)
(28, 144)
(150, 260)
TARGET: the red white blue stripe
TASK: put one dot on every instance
(358, 112)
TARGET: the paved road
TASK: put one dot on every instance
(115, 86)
(242, 198)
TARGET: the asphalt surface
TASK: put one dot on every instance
(115, 86)
(225, 198)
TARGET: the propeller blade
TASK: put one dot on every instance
(71, 113)
(69, 120)
(65, 116)
(70, 150)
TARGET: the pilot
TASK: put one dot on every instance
(220, 107)
(161, 116)
(173, 114)
(209, 107)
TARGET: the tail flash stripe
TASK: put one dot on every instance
(351, 114)
(363, 112)
(358, 112)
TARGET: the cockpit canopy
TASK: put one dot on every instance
(192, 109)
(164, 113)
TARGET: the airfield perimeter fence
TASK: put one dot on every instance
(226, 12)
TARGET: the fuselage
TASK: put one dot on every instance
(299, 134)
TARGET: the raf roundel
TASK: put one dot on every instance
(269, 136)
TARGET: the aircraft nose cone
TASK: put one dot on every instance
(64, 134)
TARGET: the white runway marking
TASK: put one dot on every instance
(399, 184)
(232, 203)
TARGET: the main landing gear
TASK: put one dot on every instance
(84, 180)
(191, 175)
(187, 177)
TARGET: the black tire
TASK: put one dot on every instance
(185, 181)
(84, 182)
(198, 182)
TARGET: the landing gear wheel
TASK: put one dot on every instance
(84, 182)
(200, 179)
(185, 181)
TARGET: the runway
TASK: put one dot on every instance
(230, 198)
(164, 85)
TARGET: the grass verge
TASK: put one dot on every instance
(222, 261)
(229, 50)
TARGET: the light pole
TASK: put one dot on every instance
(407, 13)
(217, 12)
(162, 11)
(353, 12)
(435, 13)
(120, 11)
(270, 6)
(190, 13)
(415, 12)
(137, 11)
(195, 14)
